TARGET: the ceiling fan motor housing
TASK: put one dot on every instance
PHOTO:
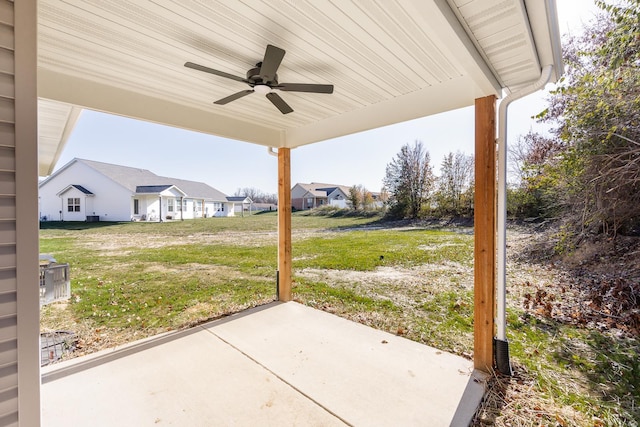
(254, 77)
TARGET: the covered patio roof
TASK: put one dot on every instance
(388, 61)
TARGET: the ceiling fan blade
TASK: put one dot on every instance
(233, 97)
(279, 103)
(272, 59)
(216, 72)
(304, 87)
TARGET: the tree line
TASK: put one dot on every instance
(256, 195)
(586, 172)
(414, 191)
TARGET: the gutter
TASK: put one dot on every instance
(501, 345)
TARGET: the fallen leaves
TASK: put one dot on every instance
(604, 303)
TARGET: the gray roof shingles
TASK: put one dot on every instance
(81, 188)
(152, 189)
(132, 178)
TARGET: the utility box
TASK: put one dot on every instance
(55, 284)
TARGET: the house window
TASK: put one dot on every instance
(170, 205)
(197, 206)
(217, 206)
(136, 207)
(184, 205)
(73, 204)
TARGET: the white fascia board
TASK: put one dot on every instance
(456, 40)
(100, 97)
(50, 147)
(451, 95)
(543, 21)
(168, 192)
(183, 194)
(64, 190)
(50, 177)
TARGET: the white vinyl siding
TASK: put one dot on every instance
(8, 234)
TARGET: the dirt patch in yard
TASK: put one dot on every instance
(122, 244)
(542, 293)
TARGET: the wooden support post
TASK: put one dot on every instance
(485, 233)
(284, 224)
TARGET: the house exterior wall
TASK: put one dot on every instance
(74, 205)
(209, 209)
(307, 201)
(297, 204)
(195, 208)
(111, 201)
(302, 199)
(148, 207)
(170, 207)
(338, 198)
(297, 194)
(340, 203)
(223, 209)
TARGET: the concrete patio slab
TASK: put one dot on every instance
(283, 364)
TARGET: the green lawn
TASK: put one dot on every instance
(131, 280)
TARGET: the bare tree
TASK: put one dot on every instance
(409, 179)
(256, 195)
(456, 178)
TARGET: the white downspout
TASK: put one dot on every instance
(501, 320)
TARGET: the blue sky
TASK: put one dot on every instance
(355, 159)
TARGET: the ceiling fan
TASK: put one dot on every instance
(264, 80)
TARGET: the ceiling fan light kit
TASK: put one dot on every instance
(262, 89)
(263, 80)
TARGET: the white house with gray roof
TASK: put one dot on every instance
(86, 190)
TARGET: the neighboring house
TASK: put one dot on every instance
(242, 204)
(86, 190)
(313, 195)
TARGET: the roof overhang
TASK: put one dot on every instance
(157, 190)
(389, 62)
(55, 124)
(86, 193)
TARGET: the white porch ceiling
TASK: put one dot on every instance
(390, 61)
